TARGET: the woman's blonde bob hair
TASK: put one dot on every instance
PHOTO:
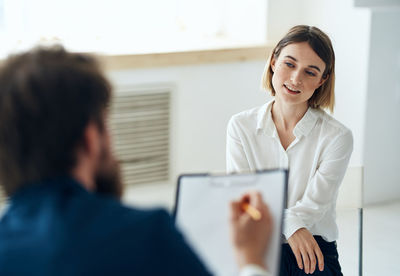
(324, 96)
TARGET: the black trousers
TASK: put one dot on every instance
(332, 267)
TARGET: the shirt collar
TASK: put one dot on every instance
(306, 124)
(264, 119)
(267, 125)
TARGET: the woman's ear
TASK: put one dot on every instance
(273, 64)
(323, 80)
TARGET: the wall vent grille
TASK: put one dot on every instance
(140, 126)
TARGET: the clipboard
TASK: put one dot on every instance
(201, 212)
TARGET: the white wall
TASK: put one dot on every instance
(382, 133)
(205, 97)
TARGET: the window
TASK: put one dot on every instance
(132, 26)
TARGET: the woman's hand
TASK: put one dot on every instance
(306, 250)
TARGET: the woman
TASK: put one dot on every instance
(293, 131)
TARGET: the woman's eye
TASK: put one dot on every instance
(310, 73)
(290, 65)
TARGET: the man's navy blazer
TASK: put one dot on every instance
(56, 227)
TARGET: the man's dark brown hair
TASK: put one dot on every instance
(47, 98)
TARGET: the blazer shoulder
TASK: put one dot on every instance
(137, 216)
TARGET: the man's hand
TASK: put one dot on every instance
(250, 237)
(306, 250)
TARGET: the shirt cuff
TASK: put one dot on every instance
(253, 270)
(291, 225)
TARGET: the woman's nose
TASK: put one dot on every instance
(295, 78)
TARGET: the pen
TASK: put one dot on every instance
(253, 212)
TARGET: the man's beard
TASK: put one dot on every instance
(108, 176)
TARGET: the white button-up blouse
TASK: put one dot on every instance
(317, 160)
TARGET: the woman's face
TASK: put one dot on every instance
(297, 74)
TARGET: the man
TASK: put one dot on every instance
(64, 216)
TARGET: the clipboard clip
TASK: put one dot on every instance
(226, 182)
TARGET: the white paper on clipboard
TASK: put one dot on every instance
(202, 214)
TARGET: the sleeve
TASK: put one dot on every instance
(253, 270)
(323, 186)
(236, 160)
(177, 256)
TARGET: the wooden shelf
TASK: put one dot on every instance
(135, 61)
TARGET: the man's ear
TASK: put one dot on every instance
(91, 143)
(88, 152)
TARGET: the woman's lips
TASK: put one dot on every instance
(291, 90)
